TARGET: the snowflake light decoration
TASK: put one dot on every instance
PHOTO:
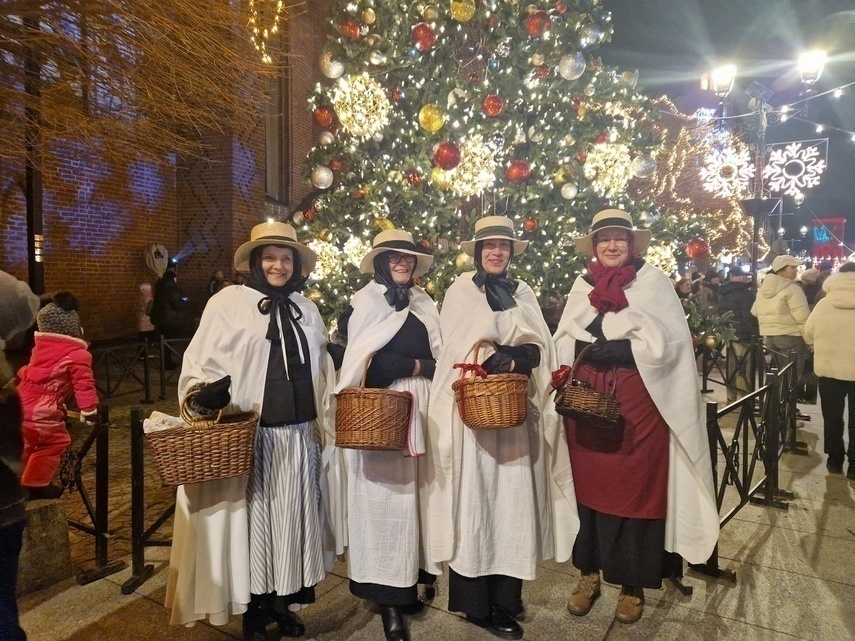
(793, 169)
(727, 172)
(609, 168)
(361, 105)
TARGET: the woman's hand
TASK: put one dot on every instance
(215, 396)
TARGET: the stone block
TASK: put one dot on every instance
(46, 554)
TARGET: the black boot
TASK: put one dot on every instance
(256, 618)
(499, 623)
(394, 626)
(289, 624)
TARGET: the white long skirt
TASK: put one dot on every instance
(209, 561)
(501, 517)
(284, 503)
(385, 515)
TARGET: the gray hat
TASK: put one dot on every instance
(56, 320)
(18, 306)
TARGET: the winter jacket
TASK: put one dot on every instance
(781, 307)
(59, 365)
(830, 327)
(738, 299)
(168, 312)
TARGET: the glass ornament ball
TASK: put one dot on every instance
(331, 67)
(535, 134)
(646, 217)
(530, 224)
(350, 28)
(492, 105)
(314, 295)
(462, 10)
(322, 177)
(298, 218)
(497, 141)
(424, 36)
(537, 24)
(590, 35)
(326, 139)
(378, 136)
(537, 59)
(569, 140)
(590, 90)
(431, 118)
(643, 166)
(323, 116)
(369, 15)
(464, 260)
(569, 191)
(429, 12)
(697, 248)
(376, 57)
(440, 178)
(519, 171)
(414, 178)
(572, 66)
(447, 155)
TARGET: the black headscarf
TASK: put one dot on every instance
(276, 297)
(499, 289)
(398, 296)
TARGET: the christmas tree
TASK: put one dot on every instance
(439, 113)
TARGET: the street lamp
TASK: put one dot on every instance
(811, 64)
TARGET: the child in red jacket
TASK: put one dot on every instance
(60, 364)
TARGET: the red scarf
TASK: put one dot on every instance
(607, 295)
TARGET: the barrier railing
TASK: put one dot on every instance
(118, 366)
(72, 480)
(141, 537)
(171, 349)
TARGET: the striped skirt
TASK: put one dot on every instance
(284, 504)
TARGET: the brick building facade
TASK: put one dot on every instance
(99, 219)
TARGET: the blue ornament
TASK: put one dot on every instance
(494, 64)
(414, 53)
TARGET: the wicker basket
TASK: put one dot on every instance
(490, 401)
(582, 403)
(208, 448)
(372, 419)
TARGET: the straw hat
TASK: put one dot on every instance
(613, 219)
(275, 233)
(396, 240)
(494, 227)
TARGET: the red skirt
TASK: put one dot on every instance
(621, 470)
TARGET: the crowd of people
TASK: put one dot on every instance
(484, 505)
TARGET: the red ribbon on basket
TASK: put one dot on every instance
(472, 367)
(560, 376)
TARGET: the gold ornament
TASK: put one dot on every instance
(384, 223)
(462, 10)
(429, 13)
(581, 111)
(464, 260)
(711, 342)
(439, 177)
(369, 15)
(430, 288)
(314, 295)
(361, 104)
(431, 117)
(325, 235)
(537, 59)
(395, 176)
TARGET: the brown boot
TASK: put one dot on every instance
(584, 595)
(630, 604)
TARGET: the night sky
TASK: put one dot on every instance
(672, 42)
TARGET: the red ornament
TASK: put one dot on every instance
(397, 94)
(447, 155)
(597, 64)
(582, 156)
(543, 71)
(335, 164)
(530, 224)
(424, 36)
(602, 138)
(309, 214)
(414, 178)
(493, 105)
(537, 24)
(474, 77)
(561, 6)
(519, 171)
(697, 248)
(350, 28)
(323, 116)
(360, 193)
(492, 22)
(424, 246)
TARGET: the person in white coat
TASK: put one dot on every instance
(256, 546)
(394, 323)
(828, 331)
(645, 485)
(782, 310)
(500, 500)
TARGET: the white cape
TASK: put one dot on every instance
(655, 325)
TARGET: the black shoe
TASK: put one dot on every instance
(500, 623)
(253, 628)
(415, 607)
(836, 468)
(289, 624)
(393, 623)
(850, 473)
(802, 417)
(46, 492)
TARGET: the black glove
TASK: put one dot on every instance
(498, 363)
(215, 396)
(427, 367)
(528, 351)
(522, 366)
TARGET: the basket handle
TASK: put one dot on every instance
(188, 417)
(365, 372)
(476, 366)
(563, 374)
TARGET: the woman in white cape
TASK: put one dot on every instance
(256, 545)
(645, 485)
(500, 500)
(394, 323)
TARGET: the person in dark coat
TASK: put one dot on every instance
(18, 307)
(736, 297)
(168, 312)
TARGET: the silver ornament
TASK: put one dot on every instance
(535, 134)
(590, 90)
(590, 35)
(643, 166)
(378, 136)
(322, 177)
(298, 218)
(326, 138)
(376, 57)
(569, 191)
(571, 66)
(331, 67)
(497, 141)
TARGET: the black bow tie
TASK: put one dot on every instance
(499, 290)
(398, 296)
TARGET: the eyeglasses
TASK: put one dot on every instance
(395, 258)
(620, 243)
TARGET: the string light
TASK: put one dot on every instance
(260, 34)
